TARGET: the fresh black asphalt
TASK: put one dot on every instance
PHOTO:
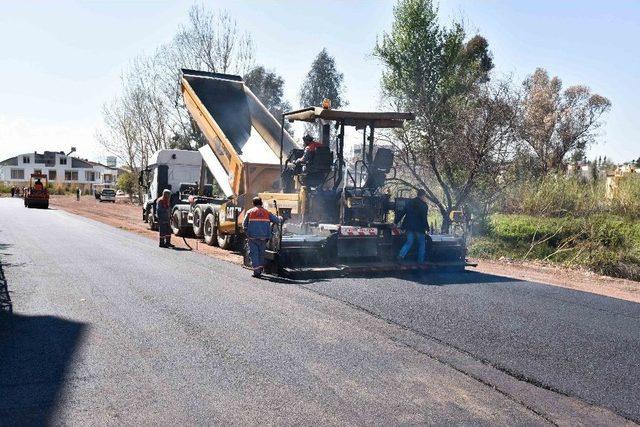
(109, 328)
(573, 342)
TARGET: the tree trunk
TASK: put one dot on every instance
(446, 221)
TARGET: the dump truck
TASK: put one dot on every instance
(336, 219)
(37, 194)
(242, 154)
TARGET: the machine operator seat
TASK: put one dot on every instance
(380, 167)
(315, 172)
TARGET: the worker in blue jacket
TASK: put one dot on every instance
(257, 228)
(415, 223)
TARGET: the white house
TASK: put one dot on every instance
(60, 169)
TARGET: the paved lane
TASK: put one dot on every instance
(108, 328)
(576, 343)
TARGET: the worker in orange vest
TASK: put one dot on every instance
(257, 227)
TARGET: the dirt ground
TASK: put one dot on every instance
(127, 216)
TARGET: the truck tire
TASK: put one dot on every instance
(225, 241)
(198, 221)
(175, 224)
(209, 230)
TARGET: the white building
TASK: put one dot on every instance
(581, 169)
(60, 169)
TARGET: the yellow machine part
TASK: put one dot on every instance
(283, 201)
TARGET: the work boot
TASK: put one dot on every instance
(169, 245)
(162, 244)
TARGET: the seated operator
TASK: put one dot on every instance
(38, 185)
(310, 147)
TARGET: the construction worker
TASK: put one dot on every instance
(310, 147)
(163, 210)
(257, 227)
(415, 216)
(38, 185)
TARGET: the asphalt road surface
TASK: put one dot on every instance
(107, 328)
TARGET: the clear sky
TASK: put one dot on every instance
(60, 61)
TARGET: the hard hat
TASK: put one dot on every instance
(307, 138)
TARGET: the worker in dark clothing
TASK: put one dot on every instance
(78, 194)
(163, 210)
(310, 147)
(415, 224)
(257, 227)
(13, 191)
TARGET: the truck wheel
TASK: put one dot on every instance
(209, 230)
(175, 223)
(198, 221)
(225, 241)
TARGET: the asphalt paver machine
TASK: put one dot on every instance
(339, 215)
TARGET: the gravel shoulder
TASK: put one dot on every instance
(127, 216)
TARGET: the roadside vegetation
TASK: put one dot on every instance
(567, 221)
(57, 189)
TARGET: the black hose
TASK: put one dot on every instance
(185, 242)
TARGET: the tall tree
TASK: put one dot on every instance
(150, 114)
(323, 81)
(269, 88)
(556, 124)
(120, 134)
(460, 141)
(213, 41)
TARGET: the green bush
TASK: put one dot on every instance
(605, 243)
(558, 196)
(626, 200)
(555, 196)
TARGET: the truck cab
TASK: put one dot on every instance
(176, 170)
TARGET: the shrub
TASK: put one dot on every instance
(605, 243)
(555, 196)
(626, 200)
(59, 189)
